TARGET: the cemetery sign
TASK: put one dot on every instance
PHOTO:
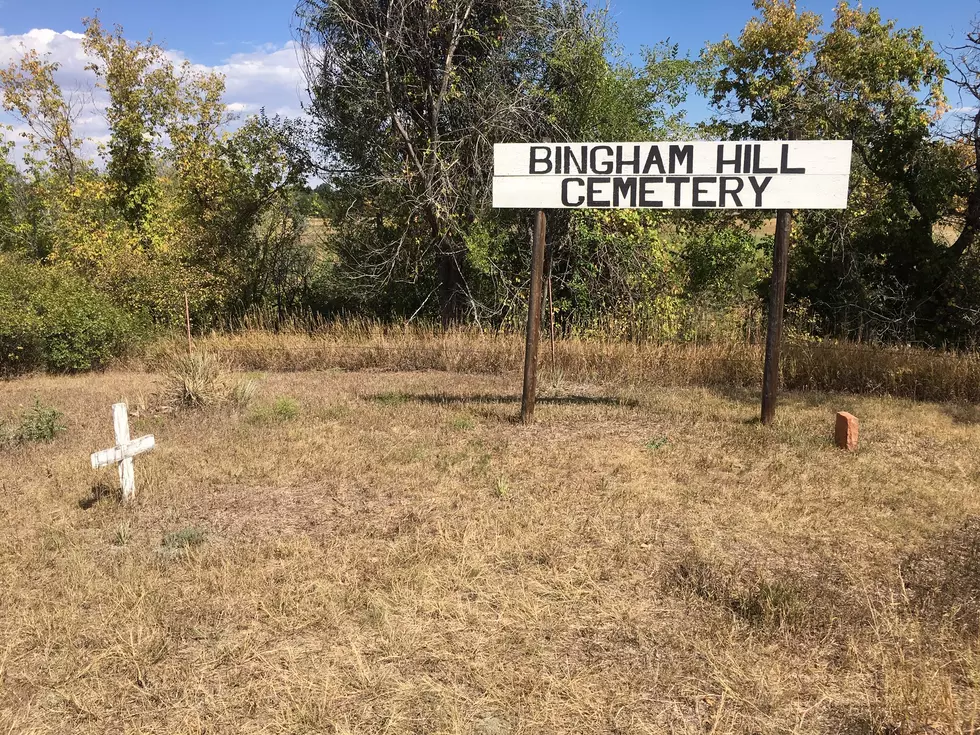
(694, 175)
(780, 175)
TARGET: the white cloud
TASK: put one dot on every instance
(269, 77)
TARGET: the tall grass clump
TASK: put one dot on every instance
(202, 380)
(194, 380)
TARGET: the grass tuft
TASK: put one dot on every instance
(186, 538)
(243, 393)
(659, 443)
(195, 380)
(391, 398)
(122, 535)
(281, 410)
(463, 423)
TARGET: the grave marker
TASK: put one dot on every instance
(124, 451)
(846, 432)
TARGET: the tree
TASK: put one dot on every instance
(31, 93)
(875, 269)
(965, 61)
(8, 179)
(409, 96)
(139, 79)
(182, 204)
(616, 268)
(768, 79)
(246, 224)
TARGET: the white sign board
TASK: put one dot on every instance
(696, 175)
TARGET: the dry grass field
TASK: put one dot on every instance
(807, 365)
(389, 552)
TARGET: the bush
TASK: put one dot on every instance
(38, 424)
(52, 319)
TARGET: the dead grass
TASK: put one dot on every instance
(397, 555)
(200, 380)
(903, 372)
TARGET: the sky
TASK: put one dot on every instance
(251, 41)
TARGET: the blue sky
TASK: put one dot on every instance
(692, 23)
(209, 30)
(250, 41)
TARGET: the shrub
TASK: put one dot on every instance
(37, 424)
(40, 423)
(52, 319)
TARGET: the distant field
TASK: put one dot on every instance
(389, 552)
(946, 232)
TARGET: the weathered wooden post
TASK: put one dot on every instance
(777, 304)
(529, 397)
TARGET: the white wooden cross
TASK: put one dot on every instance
(124, 451)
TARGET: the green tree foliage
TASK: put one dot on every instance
(8, 182)
(31, 93)
(245, 216)
(51, 318)
(623, 271)
(407, 99)
(183, 203)
(876, 270)
(141, 86)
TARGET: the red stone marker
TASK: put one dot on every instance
(847, 432)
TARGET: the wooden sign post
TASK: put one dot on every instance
(530, 393)
(779, 175)
(777, 305)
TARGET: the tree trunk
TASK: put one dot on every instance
(972, 215)
(971, 226)
(452, 294)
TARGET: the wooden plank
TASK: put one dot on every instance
(529, 397)
(777, 302)
(770, 191)
(698, 158)
(127, 471)
(115, 455)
